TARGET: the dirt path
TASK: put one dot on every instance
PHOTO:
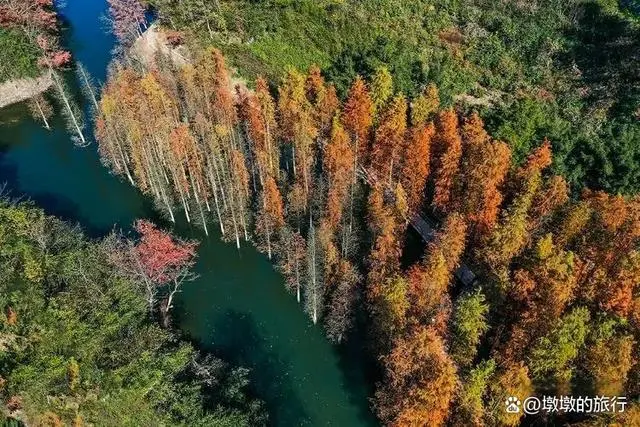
(154, 41)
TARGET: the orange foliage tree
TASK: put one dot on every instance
(389, 139)
(419, 382)
(430, 279)
(186, 138)
(485, 165)
(448, 151)
(415, 169)
(271, 217)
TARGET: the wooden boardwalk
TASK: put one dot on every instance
(426, 231)
(463, 273)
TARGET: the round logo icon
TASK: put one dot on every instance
(513, 405)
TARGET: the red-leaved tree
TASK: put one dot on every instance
(128, 19)
(158, 262)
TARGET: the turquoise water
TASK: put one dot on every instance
(238, 307)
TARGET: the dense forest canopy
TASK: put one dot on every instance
(80, 345)
(562, 70)
(328, 189)
(505, 135)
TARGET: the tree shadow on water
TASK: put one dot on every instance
(239, 342)
(359, 370)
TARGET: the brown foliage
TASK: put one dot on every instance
(222, 104)
(415, 169)
(420, 381)
(485, 165)
(538, 160)
(389, 139)
(338, 165)
(358, 113)
(448, 153)
(12, 316)
(429, 280)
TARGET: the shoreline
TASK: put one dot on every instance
(19, 90)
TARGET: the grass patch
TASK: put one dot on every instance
(563, 70)
(20, 55)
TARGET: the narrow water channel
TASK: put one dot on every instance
(238, 307)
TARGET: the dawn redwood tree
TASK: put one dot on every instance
(470, 406)
(381, 88)
(357, 114)
(41, 110)
(70, 110)
(389, 140)
(467, 326)
(256, 133)
(572, 223)
(268, 121)
(553, 195)
(298, 129)
(429, 279)
(551, 358)
(609, 358)
(384, 259)
(323, 98)
(538, 160)
(485, 164)
(340, 317)
(109, 127)
(415, 169)
(512, 380)
(510, 235)
(447, 152)
(330, 252)
(292, 256)
(193, 100)
(338, 161)
(425, 105)
(314, 294)
(385, 294)
(51, 60)
(608, 248)
(420, 380)
(270, 219)
(180, 139)
(357, 117)
(541, 293)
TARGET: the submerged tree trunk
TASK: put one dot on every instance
(314, 284)
(70, 112)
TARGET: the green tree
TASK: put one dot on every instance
(467, 326)
(554, 354)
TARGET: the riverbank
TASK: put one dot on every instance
(18, 90)
(153, 42)
(238, 308)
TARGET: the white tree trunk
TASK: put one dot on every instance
(67, 106)
(44, 118)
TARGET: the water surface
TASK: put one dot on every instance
(238, 307)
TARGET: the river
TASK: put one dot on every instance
(237, 308)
